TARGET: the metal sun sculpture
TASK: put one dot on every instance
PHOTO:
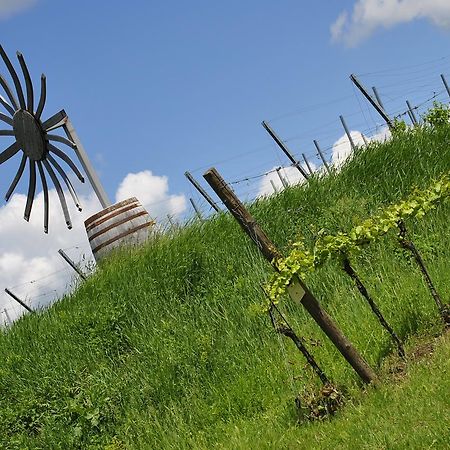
(33, 138)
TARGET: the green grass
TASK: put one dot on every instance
(164, 347)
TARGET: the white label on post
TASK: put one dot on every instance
(296, 291)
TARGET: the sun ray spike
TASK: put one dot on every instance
(28, 83)
(59, 191)
(42, 98)
(9, 93)
(31, 190)
(6, 119)
(16, 178)
(6, 132)
(9, 152)
(69, 185)
(14, 77)
(7, 106)
(66, 159)
(62, 139)
(45, 190)
(55, 121)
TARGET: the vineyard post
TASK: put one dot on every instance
(364, 139)
(321, 156)
(201, 190)
(298, 291)
(197, 211)
(72, 264)
(374, 89)
(283, 181)
(283, 147)
(372, 101)
(347, 132)
(8, 319)
(17, 299)
(274, 187)
(307, 164)
(411, 112)
(445, 84)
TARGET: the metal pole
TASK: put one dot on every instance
(352, 144)
(201, 190)
(307, 164)
(17, 299)
(321, 156)
(283, 147)
(298, 290)
(197, 211)
(8, 319)
(283, 181)
(411, 112)
(274, 187)
(445, 84)
(374, 89)
(72, 264)
(364, 139)
(86, 163)
(373, 102)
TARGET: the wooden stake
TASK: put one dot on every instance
(72, 264)
(283, 147)
(411, 112)
(321, 156)
(17, 299)
(372, 101)
(201, 190)
(352, 144)
(298, 291)
(445, 84)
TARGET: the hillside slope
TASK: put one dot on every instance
(166, 347)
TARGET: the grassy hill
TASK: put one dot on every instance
(166, 347)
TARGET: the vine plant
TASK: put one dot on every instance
(302, 261)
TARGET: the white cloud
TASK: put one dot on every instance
(153, 193)
(27, 254)
(342, 148)
(291, 174)
(369, 15)
(10, 7)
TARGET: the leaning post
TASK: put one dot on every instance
(298, 290)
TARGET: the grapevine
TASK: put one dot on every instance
(302, 261)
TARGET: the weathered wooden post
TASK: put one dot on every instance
(72, 264)
(18, 300)
(321, 156)
(347, 132)
(298, 290)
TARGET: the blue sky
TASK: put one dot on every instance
(173, 86)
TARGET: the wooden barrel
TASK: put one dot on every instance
(125, 223)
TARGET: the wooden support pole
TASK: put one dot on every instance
(72, 264)
(321, 156)
(374, 89)
(347, 132)
(411, 112)
(201, 190)
(445, 84)
(307, 164)
(17, 299)
(283, 181)
(298, 291)
(372, 101)
(197, 211)
(284, 148)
